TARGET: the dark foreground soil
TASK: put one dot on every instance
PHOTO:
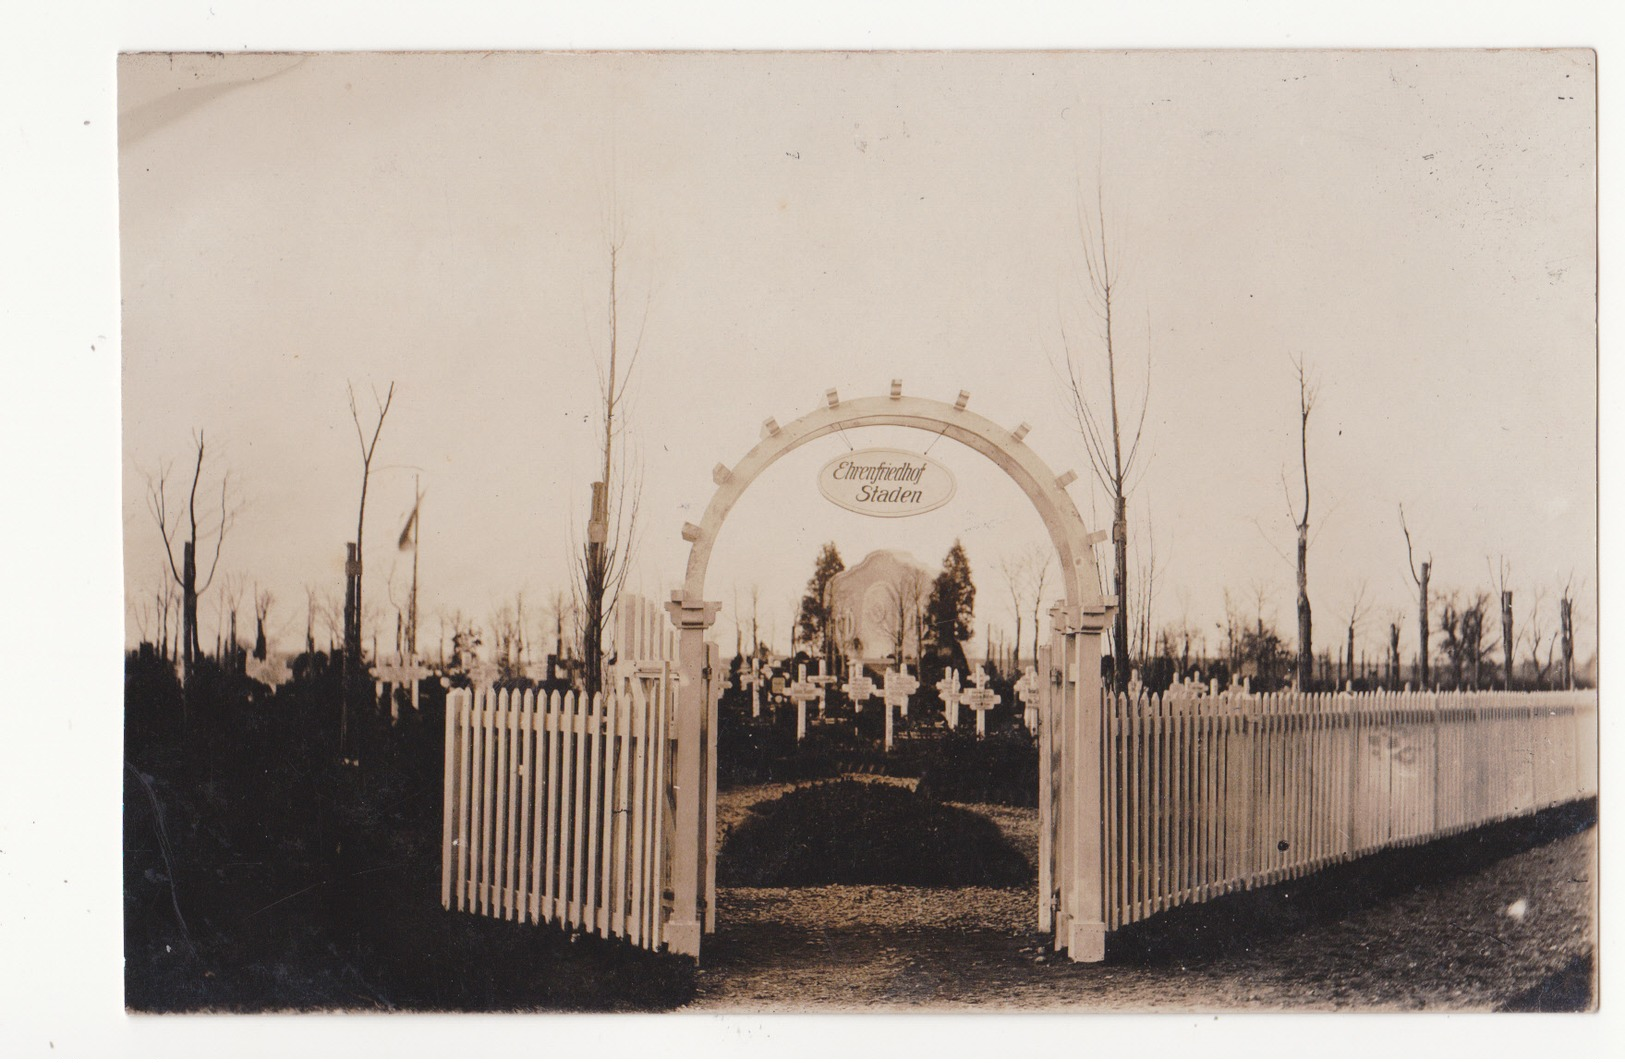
(1499, 919)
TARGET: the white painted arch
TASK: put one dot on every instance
(1005, 447)
(1070, 882)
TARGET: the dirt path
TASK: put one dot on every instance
(1447, 945)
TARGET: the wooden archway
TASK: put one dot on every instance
(1075, 659)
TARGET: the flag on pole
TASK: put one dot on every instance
(409, 534)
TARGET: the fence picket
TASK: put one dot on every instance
(463, 706)
(504, 797)
(640, 787)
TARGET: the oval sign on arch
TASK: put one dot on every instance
(886, 482)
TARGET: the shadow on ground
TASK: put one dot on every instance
(1238, 921)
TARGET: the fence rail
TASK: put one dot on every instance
(1204, 794)
(555, 808)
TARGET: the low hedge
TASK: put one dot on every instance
(865, 833)
(1000, 769)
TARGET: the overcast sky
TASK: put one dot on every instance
(1417, 227)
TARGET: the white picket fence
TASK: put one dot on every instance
(556, 807)
(1207, 794)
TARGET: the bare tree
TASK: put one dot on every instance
(143, 615)
(1420, 578)
(559, 608)
(1394, 668)
(906, 600)
(1038, 566)
(1178, 638)
(185, 573)
(465, 641)
(1476, 638)
(755, 620)
(612, 524)
(1538, 671)
(507, 637)
(263, 599)
(1357, 613)
(1466, 643)
(231, 600)
(1233, 625)
(1016, 571)
(1102, 429)
(331, 612)
(353, 608)
(164, 601)
(739, 627)
(1565, 620)
(312, 611)
(1300, 518)
(1501, 575)
(1145, 591)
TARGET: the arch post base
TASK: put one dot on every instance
(692, 618)
(683, 938)
(1085, 942)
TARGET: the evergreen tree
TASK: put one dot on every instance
(815, 624)
(951, 610)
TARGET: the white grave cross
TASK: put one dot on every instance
(399, 673)
(950, 690)
(979, 699)
(483, 673)
(1027, 691)
(801, 692)
(751, 675)
(859, 687)
(822, 681)
(273, 671)
(899, 685)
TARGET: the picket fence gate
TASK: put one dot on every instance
(1205, 794)
(555, 807)
(562, 809)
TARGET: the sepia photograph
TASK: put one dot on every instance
(847, 530)
(828, 532)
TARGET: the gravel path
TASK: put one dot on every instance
(1444, 945)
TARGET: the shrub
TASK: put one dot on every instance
(856, 833)
(1000, 769)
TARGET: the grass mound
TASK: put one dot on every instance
(857, 833)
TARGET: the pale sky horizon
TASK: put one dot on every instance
(1419, 227)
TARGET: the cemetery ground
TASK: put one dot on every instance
(262, 874)
(1416, 929)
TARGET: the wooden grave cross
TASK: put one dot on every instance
(859, 687)
(751, 675)
(1027, 691)
(951, 693)
(483, 674)
(899, 685)
(273, 671)
(399, 673)
(979, 699)
(823, 681)
(801, 692)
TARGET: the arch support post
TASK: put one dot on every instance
(691, 737)
(1081, 926)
